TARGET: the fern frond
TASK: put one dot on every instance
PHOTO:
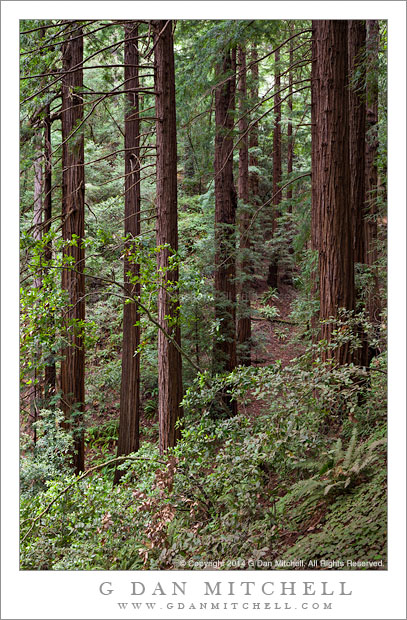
(350, 452)
(338, 452)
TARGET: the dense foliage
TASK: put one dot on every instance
(300, 471)
(275, 486)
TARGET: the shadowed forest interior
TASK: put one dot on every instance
(203, 253)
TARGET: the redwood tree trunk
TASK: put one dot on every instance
(290, 149)
(315, 180)
(73, 281)
(272, 279)
(50, 368)
(357, 130)
(290, 143)
(38, 193)
(130, 381)
(277, 142)
(254, 131)
(357, 133)
(224, 350)
(331, 180)
(35, 396)
(371, 179)
(169, 358)
(244, 323)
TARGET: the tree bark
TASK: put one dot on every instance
(357, 147)
(290, 150)
(276, 142)
(35, 395)
(371, 177)
(357, 130)
(50, 368)
(169, 358)
(130, 379)
(290, 143)
(73, 281)
(272, 279)
(38, 190)
(331, 182)
(315, 180)
(224, 349)
(254, 131)
(244, 322)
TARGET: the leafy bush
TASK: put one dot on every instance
(49, 457)
(232, 486)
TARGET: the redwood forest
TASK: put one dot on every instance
(203, 294)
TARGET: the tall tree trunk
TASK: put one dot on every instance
(189, 165)
(254, 131)
(290, 151)
(371, 178)
(357, 121)
(169, 358)
(335, 230)
(37, 235)
(290, 143)
(272, 279)
(38, 192)
(73, 280)
(130, 381)
(357, 133)
(244, 323)
(315, 180)
(50, 368)
(224, 350)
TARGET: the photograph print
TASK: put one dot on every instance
(203, 301)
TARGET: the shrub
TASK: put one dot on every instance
(49, 457)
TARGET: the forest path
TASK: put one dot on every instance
(273, 337)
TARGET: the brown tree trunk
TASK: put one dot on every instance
(254, 131)
(357, 133)
(224, 350)
(38, 192)
(315, 181)
(244, 322)
(35, 395)
(371, 179)
(357, 121)
(331, 178)
(169, 358)
(272, 279)
(189, 165)
(73, 281)
(130, 381)
(290, 143)
(50, 368)
(290, 148)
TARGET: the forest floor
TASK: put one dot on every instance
(274, 338)
(275, 335)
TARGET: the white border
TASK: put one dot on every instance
(75, 594)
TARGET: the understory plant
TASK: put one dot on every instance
(343, 469)
(228, 486)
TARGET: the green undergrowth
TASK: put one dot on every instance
(345, 528)
(353, 528)
(294, 480)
